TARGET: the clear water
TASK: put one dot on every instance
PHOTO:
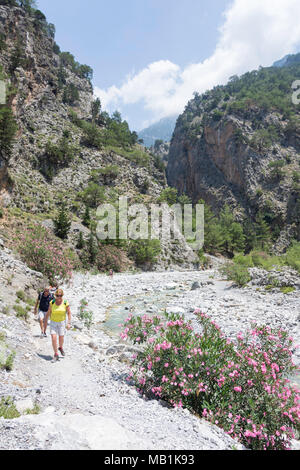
(151, 304)
(295, 379)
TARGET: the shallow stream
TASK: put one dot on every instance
(149, 303)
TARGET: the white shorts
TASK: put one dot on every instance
(58, 328)
(42, 315)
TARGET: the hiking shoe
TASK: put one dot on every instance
(62, 352)
(55, 358)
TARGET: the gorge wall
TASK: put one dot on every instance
(239, 145)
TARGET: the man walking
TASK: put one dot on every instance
(41, 307)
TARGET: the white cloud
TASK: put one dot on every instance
(254, 33)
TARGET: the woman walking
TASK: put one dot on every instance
(58, 311)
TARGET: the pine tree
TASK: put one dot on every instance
(250, 235)
(86, 218)
(213, 237)
(81, 242)
(17, 57)
(263, 233)
(234, 238)
(95, 109)
(8, 128)
(63, 223)
(27, 4)
(92, 249)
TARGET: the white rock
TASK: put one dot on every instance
(23, 405)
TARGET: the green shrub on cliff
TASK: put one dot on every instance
(60, 153)
(168, 195)
(8, 129)
(70, 94)
(144, 251)
(237, 273)
(292, 257)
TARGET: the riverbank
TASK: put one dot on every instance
(85, 401)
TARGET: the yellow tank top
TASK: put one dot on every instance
(58, 312)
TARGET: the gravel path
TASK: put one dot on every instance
(85, 400)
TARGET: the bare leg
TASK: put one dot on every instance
(45, 324)
(61, 341)
(42, 325)
(54, 344)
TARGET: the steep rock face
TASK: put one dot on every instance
(36, 77)
(42, 116)
(214, 166)
(35, 98)
(224, 153)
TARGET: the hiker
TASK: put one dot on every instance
(41, 307)
(111, 273)
(58, 311)
(53, 289)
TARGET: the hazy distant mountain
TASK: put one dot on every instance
(287, 60)
(162, 130)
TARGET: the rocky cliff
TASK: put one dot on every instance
(239, 145)
(60, 148)
(42, 115)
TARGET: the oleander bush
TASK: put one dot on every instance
(240, 385)
(43, 252)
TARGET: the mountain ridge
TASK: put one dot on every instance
(161, 130)
(238, 144)
(65, 149)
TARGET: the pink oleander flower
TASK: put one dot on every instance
(263, 368)
(275, 367)
(237, 389)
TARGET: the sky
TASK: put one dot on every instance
(150, 56)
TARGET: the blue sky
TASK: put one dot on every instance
(148, 56)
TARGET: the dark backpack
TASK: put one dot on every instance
(45, 303)
(53, 302)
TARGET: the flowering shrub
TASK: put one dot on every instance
(111, 257)
(104, 257)
(43, 252)
(240, 386)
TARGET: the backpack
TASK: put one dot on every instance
(53, 302)
(40, 298)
